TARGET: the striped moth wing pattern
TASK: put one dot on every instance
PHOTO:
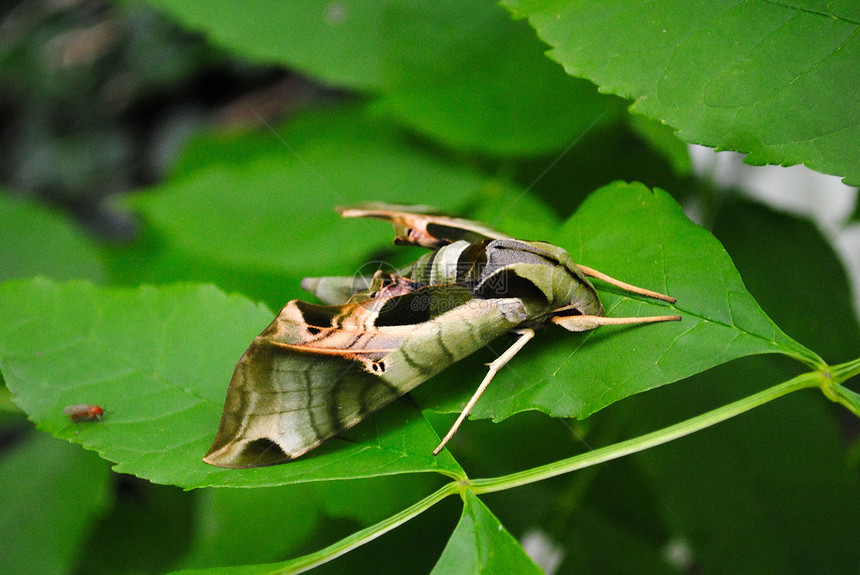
(317, 370)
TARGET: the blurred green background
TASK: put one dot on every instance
(124, 123)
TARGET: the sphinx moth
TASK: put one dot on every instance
(317, 370)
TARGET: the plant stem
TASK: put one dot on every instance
(647, 441)
(831, 385)
(845, 371)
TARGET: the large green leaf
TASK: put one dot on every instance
(496, 92)
(341, 44)
(775, 79)
(480, 544)
(274, 211)
(685, 496)
(643, 237)
(158, 361)
(255, 212)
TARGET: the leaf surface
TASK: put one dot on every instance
(39, 241)
(158, 361)
(254, 212)
(496, 93)
(267, 203)
(777, 80)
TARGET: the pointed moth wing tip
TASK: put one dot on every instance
(211, 461)
(215, 457)
(239, 463)
(260, 452)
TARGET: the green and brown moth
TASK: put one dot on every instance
(317, 370)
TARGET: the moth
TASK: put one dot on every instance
(84, 412)
(317, 370)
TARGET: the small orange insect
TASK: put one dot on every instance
(84, 412)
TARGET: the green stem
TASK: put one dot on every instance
(845, 371)
(810, 359)
(645, 441)
(831, 385)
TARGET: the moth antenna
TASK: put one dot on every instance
(525, 336)
(590, 272)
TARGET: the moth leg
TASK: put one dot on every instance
(495, 366)
(587, 322)
(625, 286)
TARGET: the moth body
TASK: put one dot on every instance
(317, 370)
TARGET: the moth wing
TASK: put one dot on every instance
(422, 225)
(318, 370)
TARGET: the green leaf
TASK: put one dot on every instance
(239, 207)
(275, 212)
(52, 494)
(496, 92)
(480, 544)
(337, 43)
(776, 80)
(254, 213)
(663, 140)
(643, 237)
(158, 361)
(39, 241)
